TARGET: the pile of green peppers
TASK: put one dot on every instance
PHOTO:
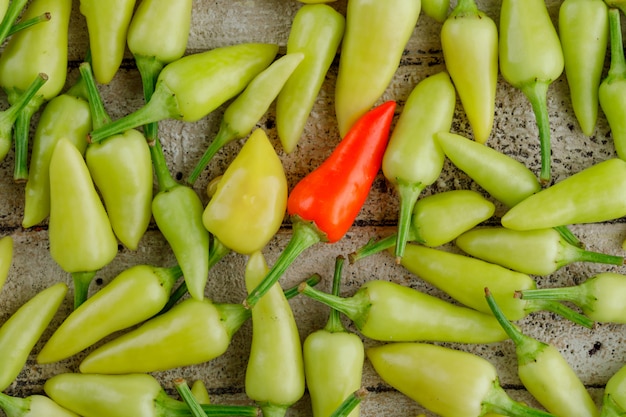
(97, 185)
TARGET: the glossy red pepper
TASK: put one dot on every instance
(324, 204)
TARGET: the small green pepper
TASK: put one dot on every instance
(107, 25)
(469, 41)
(413, 159)
(599, 297)
(249, 204)
(193, 86)
(545, 373)
(584, 53)
(545, 250)
(33, 406)
(437, 219)
(133, 296)
(6, 258)
(199, 391)
(531, 58)
(80, 234)
(275, 369)
(464, 279)
(436, 9)
(613, 399)
(242, 115)
(386, 311)
(333, 360)
(375, 37)
(446, 381)
(20, 333)
(316, 31)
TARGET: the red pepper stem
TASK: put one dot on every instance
(14, 406)
(334, 324)
(13, 12)
(409, 193)
(349, 404)
(99, 116)
(149, 69)
(537, 92)
(164, 176)
(498, 402)
(303, 237)
(356, 308)
(81, 280)
(44, 17)
(617, 67)
(224, 135)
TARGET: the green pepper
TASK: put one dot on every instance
(464, 279)
(249, 204)
(612, 87)
(316, 31)
(138, 395)
(413, 159)
(531, 58)
(469, 41)
(613, 399)
(6, 258)
(446, 381)
(545, 373)
(242, 115)
(599, 297)
(387, 311)
(133, 296)
(32, 406)
(275, 369)
(436, 9)
(199, 391)
(107, 25)
(20, 333)
(584, 54)
(193, 86)
(81, 239)
(593, 194)
(121, 168)
(375, 37)
(63, 116)
(39, 49)
(333, 360)
(545, 250)
(192, 332)
(437, 219)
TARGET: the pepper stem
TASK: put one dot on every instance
(187, 396)
(14, 406)
(334, 324)
(164, 177)
(356, 308)
(610, 408)
(224, 136)
(232, 316)
(273, 410)
(99, 115)
(409, 193)
(349, 404)
(44, 17)
(513, 332)
(149, 69)
(82, 280)
(375, 246)
(573, 294)
(617, 67)
(576, 254)
(22, 132)
(498, 401)
(291, 292)
(569, 236)
(304, 236)
(561, 310)
(13, 12)
(167, 406)
(464, 8)
(536, 92)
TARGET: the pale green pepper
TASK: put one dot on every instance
(613, 399)
(275, 369)
(6, 258)
(249, 204)
(33, 406)
(436, 9)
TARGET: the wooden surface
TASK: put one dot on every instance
(594, 354)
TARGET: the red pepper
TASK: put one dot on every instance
(324, 204)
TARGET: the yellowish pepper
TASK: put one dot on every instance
(6, 258)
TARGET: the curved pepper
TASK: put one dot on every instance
(324, 204)
(33, 406)
(193, 86)
(249, 204)
(192, 332)
(464, 279)
(40, 49)
(449, 382)
(375, 37)
(469, 41)
(584, 54)
(6, 258)
(133, 296)
(80, 234)
(333, 360)
(545, 250)
(545, 373)
(107, 25)
(386, 311)
(20, 333)
(275, 369)
(316, 31)
(531, 58)
(594, 194)
(613, 86)
(413, 159)
(64, 116)
(242, 115)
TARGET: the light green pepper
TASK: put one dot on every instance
(6, 258)
(613, 399)
(33, 406)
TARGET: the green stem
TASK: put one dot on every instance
(233, 316)
(349, 404)
(188, 398)
(149, 69)
(375, 246)
(99, 115)
(573, 294)
(409, 193)
(304, 236)
(576, 254)
(356, 308)
(14, 406)
(617, 68)
(464, 8)
(513, 332)
(81, 280)
(13, 12)
(273, 410)
(610, 408)
(169, 407)
(164, 176)
(334, 324)
(312, 281)
(44, 17)
(537, 92)
(569, 236)
(224, 136)
(499, 402)
(561, 310)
